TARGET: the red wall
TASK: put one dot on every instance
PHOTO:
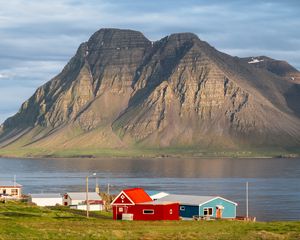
(161, 212)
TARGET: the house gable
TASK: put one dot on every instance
(228, 211)
(122, 199)
(219, 198)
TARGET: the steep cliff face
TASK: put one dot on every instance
(205, 100)
(120, 89)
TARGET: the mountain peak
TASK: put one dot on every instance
(184, 36)
(122, 90)
(113, 37)
(118, 31)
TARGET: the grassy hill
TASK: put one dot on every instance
(94, 152)
(23, 221)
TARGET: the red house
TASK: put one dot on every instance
(136, 204)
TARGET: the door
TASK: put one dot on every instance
(219, 213)
(120, 211)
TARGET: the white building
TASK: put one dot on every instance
(154, 195)
(46, 199)
(77, 200)
(10, 189)
(92, 207)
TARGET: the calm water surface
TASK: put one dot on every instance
(274, 184)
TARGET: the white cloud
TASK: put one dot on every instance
(3, 75)
(31, 71)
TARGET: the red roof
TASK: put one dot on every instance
(137, 195)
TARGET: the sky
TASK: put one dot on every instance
(38, 37)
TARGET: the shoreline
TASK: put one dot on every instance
(146, 153)
(150, 153)
(141, 157)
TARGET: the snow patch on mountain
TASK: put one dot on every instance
(255, 60)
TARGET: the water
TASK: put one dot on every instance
(274, 187)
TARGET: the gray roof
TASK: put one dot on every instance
(9, 184)
(46, 195)
(189, 199)
(82, 196)
(158, 202)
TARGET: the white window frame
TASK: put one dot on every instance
(182, 208)
(14, 192)
(207, 209)
(152, 211)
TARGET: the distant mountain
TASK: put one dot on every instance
(280, 68)
(121, 90)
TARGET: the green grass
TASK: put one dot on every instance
(22, 221)
(149, 152)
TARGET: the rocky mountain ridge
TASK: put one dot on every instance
(121, 90)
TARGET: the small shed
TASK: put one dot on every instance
(46, 199)
(136, 204)
(203, 206)
(10, 189)
(77, 200)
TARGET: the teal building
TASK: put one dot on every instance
(203, 206)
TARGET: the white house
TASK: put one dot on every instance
(46, 199)
(77, 200)
(10, 189)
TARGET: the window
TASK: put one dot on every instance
(120, 209)
(14, 191)
(182, 208)
(171, 211)
(208, 211)
(148, 211)
(66, 196)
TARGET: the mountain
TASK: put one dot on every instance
(122, 91)
(280, 68)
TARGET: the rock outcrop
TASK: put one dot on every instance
(122, 90)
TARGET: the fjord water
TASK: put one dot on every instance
(274, 184)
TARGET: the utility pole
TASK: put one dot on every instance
(247, 200)
(97, 188)
(108, 189)
(87, 197)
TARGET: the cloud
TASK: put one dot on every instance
(30, 72)
(3, 76)
(20, 80)
(11, 97)
(38, 37)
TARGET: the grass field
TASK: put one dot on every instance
(147, 152)
(23, 221)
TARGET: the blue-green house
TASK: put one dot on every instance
(203, 206)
